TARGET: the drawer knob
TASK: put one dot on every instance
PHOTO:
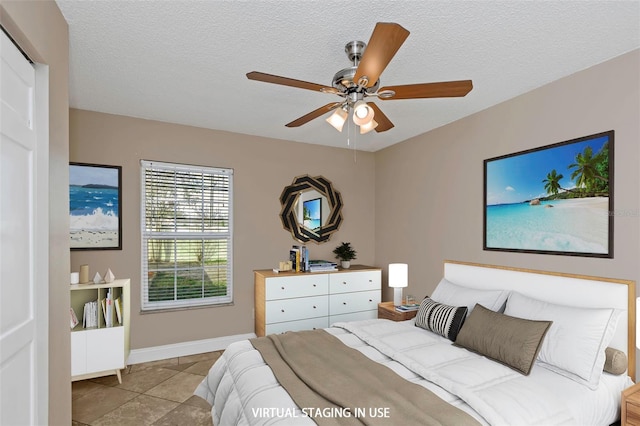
(314, 285)
(344, 282)
(282, 310)
(344, 303)
(314, 306)
(282, 288)
(370, 281)
(370, 300)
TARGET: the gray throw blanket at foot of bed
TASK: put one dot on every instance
(337, 385)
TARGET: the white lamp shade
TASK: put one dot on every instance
(366, 128)
(337, 119)
(398, 275)
(398, 278)
(362, 113)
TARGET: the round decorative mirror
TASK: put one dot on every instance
(311, 209)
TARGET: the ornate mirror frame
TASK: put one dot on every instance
(330, 222)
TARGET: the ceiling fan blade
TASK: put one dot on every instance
(314, 114)
(384, 123)
(276, 79)
(445, 89)
(385, 41)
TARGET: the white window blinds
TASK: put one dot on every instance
(187, 234)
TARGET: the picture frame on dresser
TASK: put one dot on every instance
(555, 199)
(95, 206)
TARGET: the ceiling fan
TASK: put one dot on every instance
(361, 81)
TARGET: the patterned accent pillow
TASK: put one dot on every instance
(442, 319)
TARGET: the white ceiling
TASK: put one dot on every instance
(185, 61)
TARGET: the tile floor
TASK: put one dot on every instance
(155, 393)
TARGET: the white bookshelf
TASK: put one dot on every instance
(100, 351)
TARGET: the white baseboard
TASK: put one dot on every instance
(137, 356)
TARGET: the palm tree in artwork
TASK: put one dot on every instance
(552, 182)
(586, 169)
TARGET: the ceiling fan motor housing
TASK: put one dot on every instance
(343, 79)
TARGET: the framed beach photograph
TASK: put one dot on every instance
(95, 206)
(556, 199)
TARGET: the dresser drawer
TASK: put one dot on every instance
(354, 316)
(354, 281)
(296, 309)
(299, 286)
(308, 324)
(344, 303)
(633, 414)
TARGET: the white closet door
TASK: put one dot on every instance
(23, 233)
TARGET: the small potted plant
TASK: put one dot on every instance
(345, 253)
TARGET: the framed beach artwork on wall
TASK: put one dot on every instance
(556, 199)
(95, 206)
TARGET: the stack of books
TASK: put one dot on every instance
(90, 315)
(322, 266)
(299, 257)
(408, 308)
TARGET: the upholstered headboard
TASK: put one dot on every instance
(559, 288)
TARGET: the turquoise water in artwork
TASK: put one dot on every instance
(576, 225)
(93, 208)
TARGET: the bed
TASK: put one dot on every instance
(495, 345)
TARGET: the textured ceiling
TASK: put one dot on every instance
(185, 61)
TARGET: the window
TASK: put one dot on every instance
(187, 235)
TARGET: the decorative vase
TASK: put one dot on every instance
(346, 264)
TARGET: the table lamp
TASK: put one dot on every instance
(398, 278)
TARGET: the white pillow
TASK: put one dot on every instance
(576, 341)
(456, 295)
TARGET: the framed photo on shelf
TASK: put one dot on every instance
(95, 206)
(556, 199)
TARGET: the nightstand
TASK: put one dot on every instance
(386, 310)
(630, 404)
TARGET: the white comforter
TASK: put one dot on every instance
(243, 390)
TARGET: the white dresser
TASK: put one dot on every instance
(290, 301)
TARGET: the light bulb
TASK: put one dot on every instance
(362, 113)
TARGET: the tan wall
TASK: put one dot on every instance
(41, 31)
(431, 187)
(262, 168)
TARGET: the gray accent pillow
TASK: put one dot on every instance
(514, 342)
(615, 361)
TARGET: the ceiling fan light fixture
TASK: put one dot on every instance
(362, 113)
(338, 118)
(366, 128)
